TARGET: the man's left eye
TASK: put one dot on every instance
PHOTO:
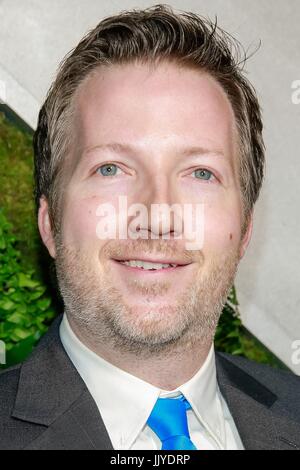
(203, 174)
(109, 169)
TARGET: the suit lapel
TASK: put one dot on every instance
(51, 393)
(80, 428)
(256, 410)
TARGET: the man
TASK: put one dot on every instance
(153, 107)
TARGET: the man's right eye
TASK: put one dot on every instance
(109, 169)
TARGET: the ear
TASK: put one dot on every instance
(247, 235)
(45, 228)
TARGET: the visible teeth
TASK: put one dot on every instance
(147, 265)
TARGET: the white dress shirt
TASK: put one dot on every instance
(125, 402)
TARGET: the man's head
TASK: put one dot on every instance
(153, 106)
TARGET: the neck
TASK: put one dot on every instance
(166, 371)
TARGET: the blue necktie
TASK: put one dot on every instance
(168, 420)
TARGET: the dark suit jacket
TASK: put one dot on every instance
(44, 403)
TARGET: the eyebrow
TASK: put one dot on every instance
(121, 148)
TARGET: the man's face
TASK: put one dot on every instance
(159, 113)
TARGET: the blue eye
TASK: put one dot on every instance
(203, 174)
(109, 169)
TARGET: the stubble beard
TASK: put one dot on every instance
(102, 316)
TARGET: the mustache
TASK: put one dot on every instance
(164, 248)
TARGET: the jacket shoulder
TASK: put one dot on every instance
(14, 433)
(9, 379)
(283, 383)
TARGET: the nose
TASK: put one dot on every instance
(161, 199)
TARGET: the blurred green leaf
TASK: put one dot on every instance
(7, 304)
(26, 281)
(18, 352)
(16, 318)
(43, 304)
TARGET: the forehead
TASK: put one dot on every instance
(157, 106)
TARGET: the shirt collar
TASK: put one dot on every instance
(125, 401)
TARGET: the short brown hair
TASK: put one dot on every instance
(149, 35)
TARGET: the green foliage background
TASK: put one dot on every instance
(27, 303)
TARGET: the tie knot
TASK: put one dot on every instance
(169, 422)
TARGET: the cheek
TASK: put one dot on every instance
(80, 222)
(222, 230)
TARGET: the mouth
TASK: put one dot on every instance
(150, 266)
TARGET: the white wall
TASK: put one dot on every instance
(35, 35)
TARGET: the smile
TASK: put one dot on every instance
(149, 266)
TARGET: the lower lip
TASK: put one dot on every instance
(137, 270)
